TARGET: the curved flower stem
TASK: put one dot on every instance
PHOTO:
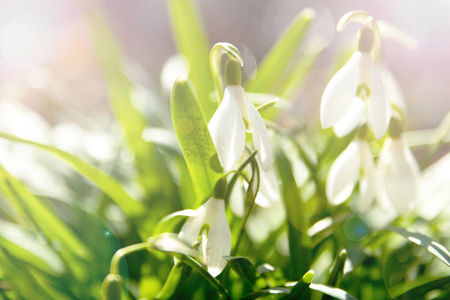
(236, 174)
(124, 252)
(250, 202)
(215, 58)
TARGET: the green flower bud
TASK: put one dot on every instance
(233, 72)
(112, 286)
(220, 189)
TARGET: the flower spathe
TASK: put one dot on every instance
(354, 164)
(211, 224)
(398, 176)
(227, 129)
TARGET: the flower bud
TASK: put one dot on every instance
(232, 72)
(112, 287)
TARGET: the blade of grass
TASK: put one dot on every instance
(106, 183)
(192, 43)
(119, 87)
(278, 58)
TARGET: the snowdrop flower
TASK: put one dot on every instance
(355, 93)
(235, 114)
(398, 174)
(355, 164)
(210, 222)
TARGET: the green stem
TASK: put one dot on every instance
(212, 280)
(124, 252)
(249, 207)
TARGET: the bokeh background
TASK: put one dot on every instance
(46, 55)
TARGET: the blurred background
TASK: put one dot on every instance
(47, 59)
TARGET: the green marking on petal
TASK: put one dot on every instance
(363, 91)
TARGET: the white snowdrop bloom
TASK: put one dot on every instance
(354, 164)
(398, 176)
(356, 93)
(434, 196)
(233, 117)
(210, 223)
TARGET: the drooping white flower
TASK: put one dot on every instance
(233, 117)
(356, 93)
(434, 196)
(355, 164)
(398, 176)
(210, 223)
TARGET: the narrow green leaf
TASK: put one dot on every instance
(44, 218)
(301, 287)
(267, 292)
(299, 241)
(276, 61)
(333, 292)
(336, 271)
(176, 276)
(296, 77)
(243, 267)
(425, 241)
(132, 122)
(192, 43)
(195, 140)
(106, 183)
(25, 245)
(417, 289)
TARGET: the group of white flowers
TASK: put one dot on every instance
(356, 98)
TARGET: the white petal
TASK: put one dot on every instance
(351, 119)
(339, 92)
(261, 138)
(435, 189)
(191, 228)
(343, 174)
(399, 176)
(228, 131)
(218, 241)
(380, 108)
(269, 192)
(367, 183)
(393, 90)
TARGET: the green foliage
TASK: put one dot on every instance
(113, 233)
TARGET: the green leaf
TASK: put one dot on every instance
(243, 267)
(279, 57)
(195, 140)
(133, 123)
(337, 269)
(425, 241)
(418, 288)
(301, 287)
(106, 183)
(299, 241)
(267, 292)
(333, 292)
(192, 43)
(26, 246)
(43, 217)
(176, 276)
